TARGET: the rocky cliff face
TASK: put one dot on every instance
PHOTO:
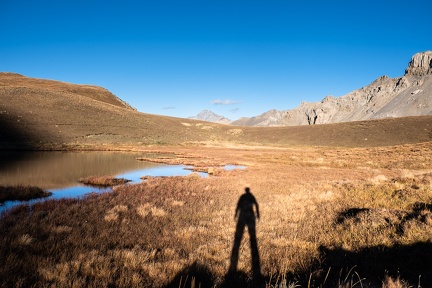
(420, 64)
(409, 95)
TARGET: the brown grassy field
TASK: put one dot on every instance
(341, 205)
(330, 217)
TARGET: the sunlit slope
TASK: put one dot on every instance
(21, 85)
(46, 114)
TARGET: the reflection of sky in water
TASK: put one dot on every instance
(134, 175)
(76, 191)
(9, 204)
(232, 167)
(169, 170)
(69, 192)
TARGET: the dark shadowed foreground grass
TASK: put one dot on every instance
(21, 193)
(329, 218)
(104, 181)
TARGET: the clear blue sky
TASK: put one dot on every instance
(236, 58)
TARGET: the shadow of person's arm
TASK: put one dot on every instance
(237, 212)
(257, 210)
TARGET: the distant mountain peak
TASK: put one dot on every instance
(210, 116)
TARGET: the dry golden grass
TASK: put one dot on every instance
(330, 217)
(104, 181)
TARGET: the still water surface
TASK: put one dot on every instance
(58, 172)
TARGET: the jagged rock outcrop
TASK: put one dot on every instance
(420, 64)
(409, 95)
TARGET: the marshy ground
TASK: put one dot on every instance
(329, 217)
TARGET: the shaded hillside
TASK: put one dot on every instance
(40, 114)
(409, 95)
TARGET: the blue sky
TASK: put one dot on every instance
(236, 58)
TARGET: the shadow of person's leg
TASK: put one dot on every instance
(256, 265)
(236, 247)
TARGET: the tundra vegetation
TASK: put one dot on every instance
(330, 217)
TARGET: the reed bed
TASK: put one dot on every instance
(330, 217)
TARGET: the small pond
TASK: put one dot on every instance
(58, 172)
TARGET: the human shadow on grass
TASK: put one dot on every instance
(334, 267)
(198, 275)
(246, 217)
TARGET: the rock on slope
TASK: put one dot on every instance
(409, 95)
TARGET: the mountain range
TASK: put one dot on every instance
(408, 95)
(45, 114)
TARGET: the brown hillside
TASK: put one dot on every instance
(19, 84)
(45, 114)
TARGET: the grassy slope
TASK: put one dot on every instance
(49, 114)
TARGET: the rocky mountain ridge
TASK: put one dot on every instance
(210, 116)
(409, 95)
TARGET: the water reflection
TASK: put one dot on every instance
(233, 167)
(58, 172)
(54, 170)
(165, 170)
